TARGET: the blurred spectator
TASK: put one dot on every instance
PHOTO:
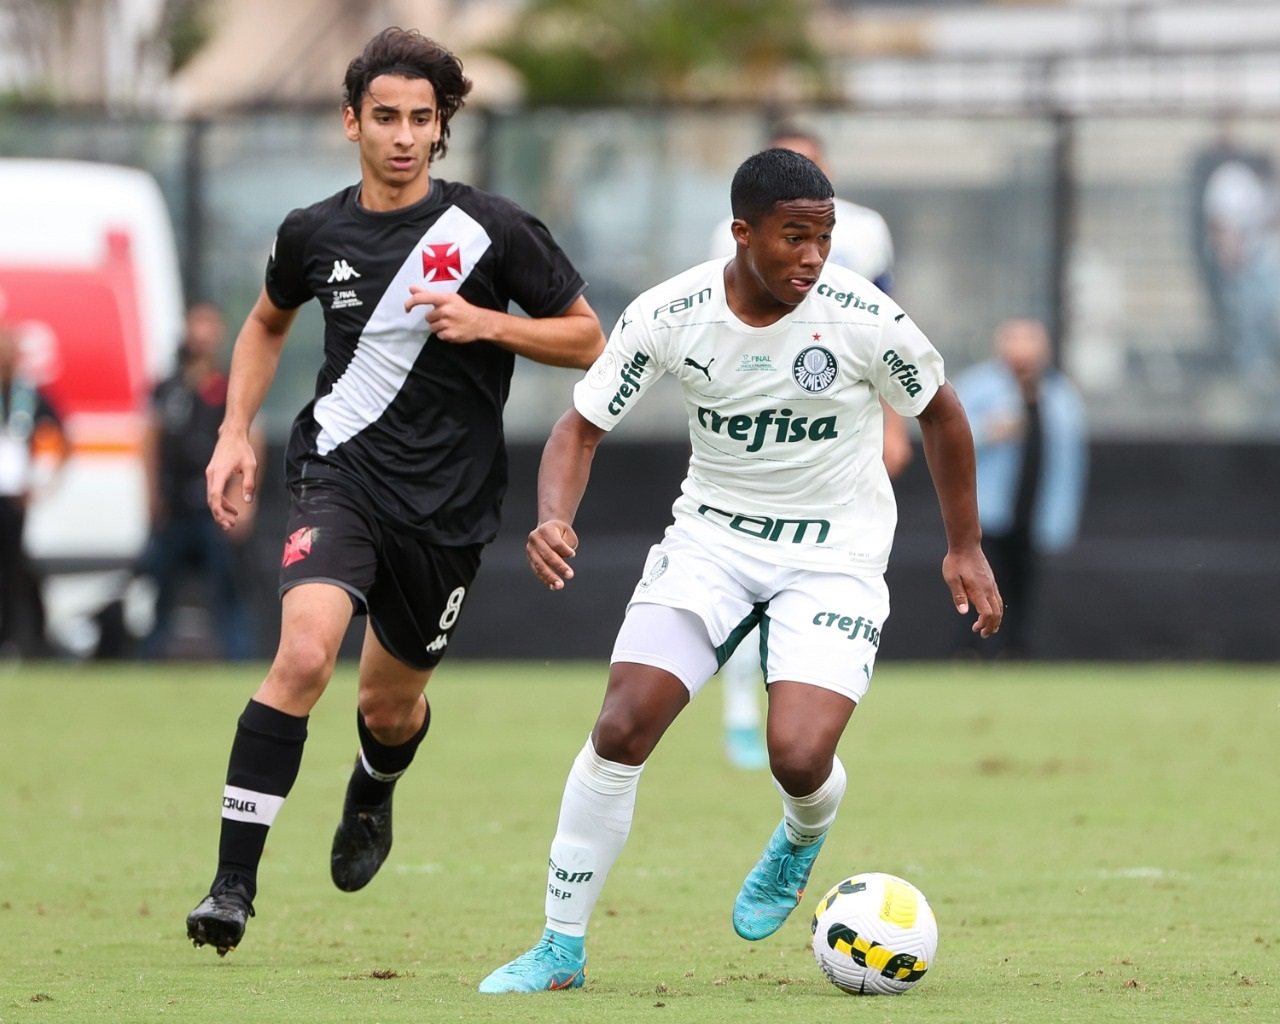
(186, 410)
(1237, 217)
(1240, 212)
(29, 427)
(1032, 457)
(861, 242)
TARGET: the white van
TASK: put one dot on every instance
(89, 273)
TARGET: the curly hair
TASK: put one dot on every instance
(409, 54)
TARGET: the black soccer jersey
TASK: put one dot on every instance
(415, 422)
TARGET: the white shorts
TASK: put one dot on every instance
(698, 599)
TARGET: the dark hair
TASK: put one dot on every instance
(407, 53)
(775, 176)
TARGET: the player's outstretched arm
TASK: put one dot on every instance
(572, 339)
(948, 449)
(562, 480)
(253, 367)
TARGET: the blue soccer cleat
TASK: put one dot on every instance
(557, 961)
(774, 887)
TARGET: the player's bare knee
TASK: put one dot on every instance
(390, 721)
(303, 665)
(799, 771)
(622, 738)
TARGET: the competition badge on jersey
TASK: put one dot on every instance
(815, 369)
(655, 569)
(604, 371)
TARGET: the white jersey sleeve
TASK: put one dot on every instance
(908, 370)
(627, 367)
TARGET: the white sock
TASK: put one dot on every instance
(807, 818)
(742, 681)
(595, 820)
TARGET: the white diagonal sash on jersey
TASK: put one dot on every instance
(392, 339)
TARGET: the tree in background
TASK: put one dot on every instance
(96, 53)
(591, 51)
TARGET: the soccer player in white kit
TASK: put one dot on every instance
(784, 522)
(861, 242)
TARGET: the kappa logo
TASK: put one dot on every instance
(438, 644)
(298, 545)
(442, 261)
(342, 272)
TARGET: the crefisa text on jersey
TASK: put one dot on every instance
(848, 299)
(755, 429)
(904, 372)
(629, 375)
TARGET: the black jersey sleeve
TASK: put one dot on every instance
(538, 274)
(286, 279)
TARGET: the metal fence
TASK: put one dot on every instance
(1092, 223)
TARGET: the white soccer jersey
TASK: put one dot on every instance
(784, 421)
(859, 241)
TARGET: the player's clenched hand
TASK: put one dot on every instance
(549, 545)
(973, 587)
(450, 317)
(232, 456)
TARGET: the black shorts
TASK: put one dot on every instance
(412, 590)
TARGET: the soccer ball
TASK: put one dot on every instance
(874, 935)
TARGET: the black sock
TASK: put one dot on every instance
(364, 790)
(265, 757)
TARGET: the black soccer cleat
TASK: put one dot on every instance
(220, 918)
(360, 844)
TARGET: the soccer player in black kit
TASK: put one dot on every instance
(396, 469)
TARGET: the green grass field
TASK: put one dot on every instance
(1099, 843)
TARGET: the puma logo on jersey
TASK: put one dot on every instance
(438, 644)
(706, 370)
(342, 271)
